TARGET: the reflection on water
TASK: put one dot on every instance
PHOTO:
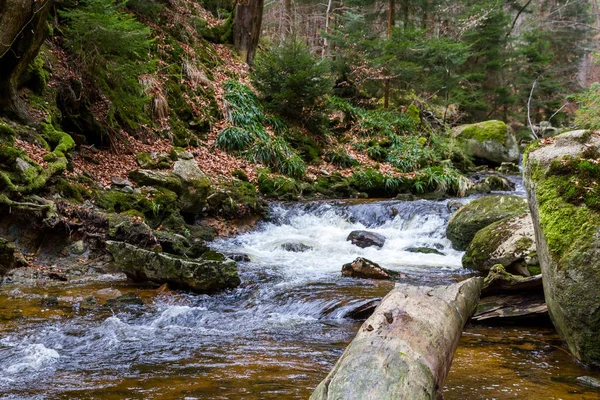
(515, 363)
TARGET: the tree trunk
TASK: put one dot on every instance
(286, 19)
(390, 25)
(246, 28)
(23, 31)
(405, 349)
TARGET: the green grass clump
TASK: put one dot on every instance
(340, 158)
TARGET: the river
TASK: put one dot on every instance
(274, 337)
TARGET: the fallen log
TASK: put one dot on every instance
(405, 349)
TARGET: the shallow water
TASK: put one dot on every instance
(276, 336)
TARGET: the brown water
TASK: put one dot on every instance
(275, 337)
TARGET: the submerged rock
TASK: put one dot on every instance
(490, 141)
(296, 247)
(363, 268)
(425, 250)
(364, 310)
(211, 272)
(561, 178)
(365, 239)
(405, 349)
(478, 214)
(126, 300)
(509, 242)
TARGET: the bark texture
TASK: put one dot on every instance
(246, 28)
(405, 349)
(23, 31)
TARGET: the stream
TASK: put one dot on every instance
(278, 334)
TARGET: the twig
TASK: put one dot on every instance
(529, 110)
(559, 110)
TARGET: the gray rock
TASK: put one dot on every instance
(209, 273)
(366, 239)
(424, 250)
(507, 242)
(77, 248)
(296, 247)
(120, 182)
(188, 170)
(363, 268)
(146, 177)
(10, 257)
(490, 141)
(478, 214)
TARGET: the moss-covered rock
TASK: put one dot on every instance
(168, 180)
(509, 242)
(568, 236)
(478, 214)
(490, 141)
(209, 273)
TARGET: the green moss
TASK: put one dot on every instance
(116, 201)
(70, 190)
(241, 175)
(414, 113)
(278, 187)
(64, 142)
(488, 130)
(534, 270)
(144, 160)
(37, 75)
(7, 135)
(569, 229)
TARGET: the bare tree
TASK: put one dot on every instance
(246, 27)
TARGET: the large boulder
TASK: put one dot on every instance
(562, 187)
(490, 141)
(509, 242)
(208, 273)
(366, 239)
(478, 214)
(405, 349)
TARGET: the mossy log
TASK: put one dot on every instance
(405, 349)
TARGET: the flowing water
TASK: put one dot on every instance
(277, 335)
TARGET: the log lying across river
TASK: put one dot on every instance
(405, 349)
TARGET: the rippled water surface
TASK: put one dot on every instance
(274, 337)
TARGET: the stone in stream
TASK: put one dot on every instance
(365, 239)
(509, 242)
(296, 247)
(589, 381)
(363, 268)
(364, 310)
(424, 250)
(405, 349)
(561, 176)
(478, 214)
(209, 273)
